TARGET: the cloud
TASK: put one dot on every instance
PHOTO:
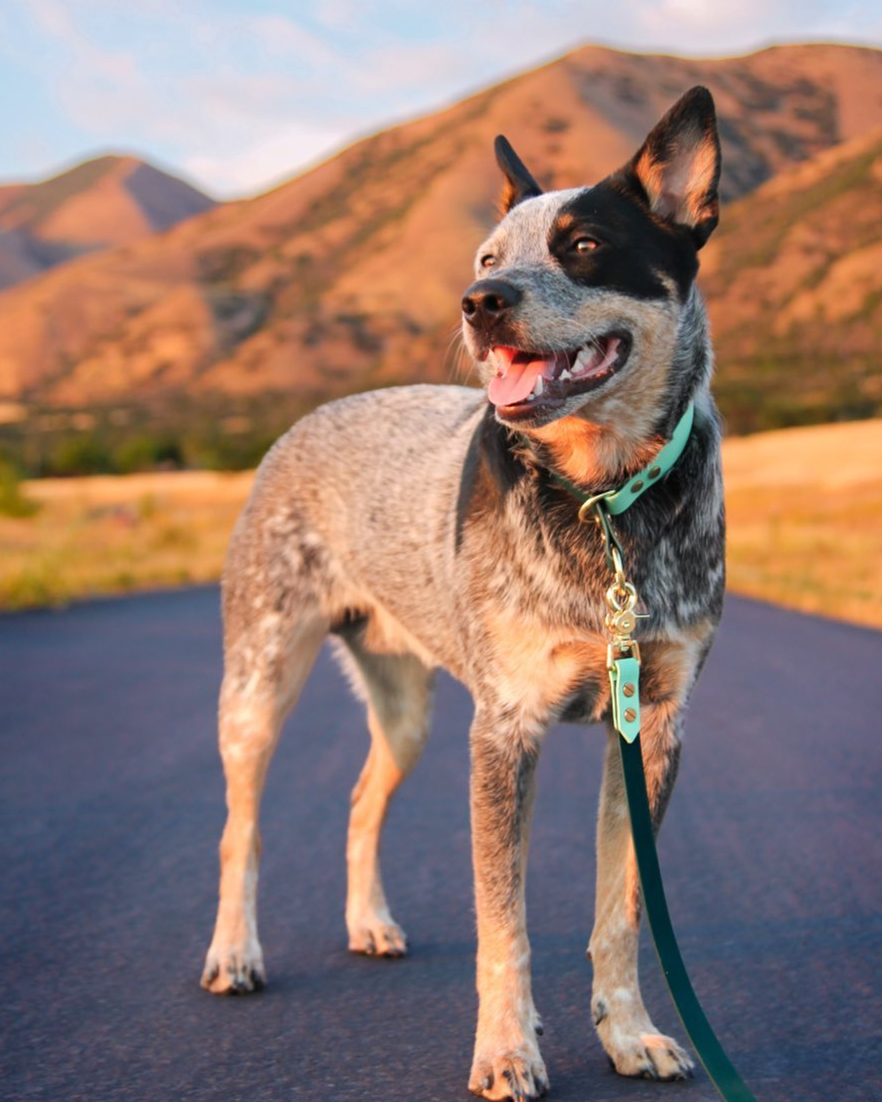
(96, 87)
(338, 14)
(731, 27)
(281, 37)
(246, 92)
(267, 161)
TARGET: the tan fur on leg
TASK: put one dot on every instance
(507, 1062)
(234, 962)
(252, 712)
(398, 688)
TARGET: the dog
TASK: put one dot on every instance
(422, 527)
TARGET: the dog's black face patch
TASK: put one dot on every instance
(607, 238)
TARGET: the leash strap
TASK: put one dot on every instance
(623, 663)
(708, 1049)
(624, 683)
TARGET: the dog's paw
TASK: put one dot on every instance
(377, 937)
(514, 1075)
(233, 973)
(650, 1056)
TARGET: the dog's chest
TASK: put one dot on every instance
(546, 671)
(541, 668)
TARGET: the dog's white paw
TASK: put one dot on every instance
(649, 1056)
(234, 971)
(518, 1076)
(376, 935)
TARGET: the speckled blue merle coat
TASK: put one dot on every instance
(420, 527)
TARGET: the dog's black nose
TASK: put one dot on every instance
(487, 300)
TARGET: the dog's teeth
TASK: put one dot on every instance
(566, 374)
(538, 388)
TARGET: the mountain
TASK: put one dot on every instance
(350, 275)
(794, 281)
(107, 201)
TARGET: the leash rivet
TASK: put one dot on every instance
(637, 487)
(628, 689)
(655, 472)
(630, 715)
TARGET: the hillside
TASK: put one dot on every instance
(350, 275)
(794, 281)
(105, 202)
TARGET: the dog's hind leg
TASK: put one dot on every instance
(398, 692)
(266, 667)
(633, 1044)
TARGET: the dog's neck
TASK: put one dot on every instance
(592, 454)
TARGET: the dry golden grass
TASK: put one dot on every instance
(113, 534)
(804, 507)
(805, 518)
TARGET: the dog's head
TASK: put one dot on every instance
(580, 294)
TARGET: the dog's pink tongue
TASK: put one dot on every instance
(515, 380)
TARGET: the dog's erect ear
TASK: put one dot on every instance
(678, 166)
(519, 184)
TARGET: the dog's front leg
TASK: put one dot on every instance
(632, 1042)
(507, 1063)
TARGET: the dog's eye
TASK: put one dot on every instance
(586, 245)
(488, 260)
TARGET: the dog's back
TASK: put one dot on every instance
(357, 504)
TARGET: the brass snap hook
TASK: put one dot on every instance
(587, 507)
(621, 598)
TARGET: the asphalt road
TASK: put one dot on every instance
(111, 807)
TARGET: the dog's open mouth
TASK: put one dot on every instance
(526, 380)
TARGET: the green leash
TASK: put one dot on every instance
(623, 662)
(708, 1049)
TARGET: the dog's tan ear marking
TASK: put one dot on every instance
(519, 184)
(678, 166)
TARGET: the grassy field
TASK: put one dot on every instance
(805, 518)
(804, 507)
(116, 533)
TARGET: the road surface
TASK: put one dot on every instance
(111, 806)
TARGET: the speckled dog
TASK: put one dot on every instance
(462, 552)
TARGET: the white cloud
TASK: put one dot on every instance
(244, 98)
(338, 14)
(261, 164)
(393, 69)
(279, 36)
(229, 96)
(97, 85)
(51, 16)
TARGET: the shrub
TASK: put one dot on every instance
(147, 453)
(13, 502)
(84, 453)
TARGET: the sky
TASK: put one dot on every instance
(237, 95)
